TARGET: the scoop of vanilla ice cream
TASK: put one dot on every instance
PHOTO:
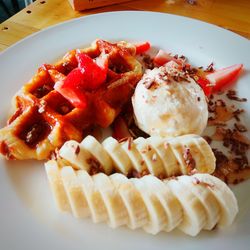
(167, 102)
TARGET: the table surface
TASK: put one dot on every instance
(232, 15)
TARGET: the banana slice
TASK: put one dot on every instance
(171, 205)
(207, 199)
(136, 159)
(96, 205)
(150, 156)
(120, 158)
(157, 216)
(117, 212)
(178, 150)
(191, 146)
(91, 145)
(207, 153)
(166, 154)
(76, 155)
(75, 193)
(56, 185)
(224, 196)
(194, 217)
(136, 210)
(131, 197)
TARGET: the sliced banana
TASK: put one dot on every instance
(76, 155)
(133, 202)
(117, 212)
(151, 158)
(169, 202)
(186, 202)
(156, 212)
(75, 193)
(194, 214)
(178, 150)
(96, 205)
(207, 199)
(56, 185)
(90, 144)
(165, 152)
(120, 159)
(155, 155)
(224, 196)
(136, 159)
(205, 150)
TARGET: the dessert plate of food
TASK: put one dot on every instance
(125, 130)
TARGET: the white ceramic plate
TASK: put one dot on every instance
(28, 217)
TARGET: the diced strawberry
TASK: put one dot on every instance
(222, 77)
(72, 88)
(142, 47)
(89, 75)
(120, 129)
(95, 72)
(163, 57)
(205, 85)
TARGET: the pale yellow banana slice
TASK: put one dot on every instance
(90, 144)
(206, 197)
(76, 155)
(117, 212)
(151, 158)
(96, 205)
(178, 150)
(157, 216)
(120, 159)
(137, 211)
(169, 202)
(224, 196)
(206, 151)
(134, 155)
(56, 185)
(194, 215)
(75, 193)
(165, 152)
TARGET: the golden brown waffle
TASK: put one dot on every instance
(43, 119)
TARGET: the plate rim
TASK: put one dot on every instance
(76, 19)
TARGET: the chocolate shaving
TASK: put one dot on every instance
(232, 95)
(95, 166)
(208, 139)
(130, 141)
(148, 62)
(240, 127)
(189, 160)
(196, 180)
(77, 150)
(236, 114)
(135, 174)
(149, 83)
(210, 68)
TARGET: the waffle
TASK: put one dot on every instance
(158, 156)
(189, 203)
(43, 119)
